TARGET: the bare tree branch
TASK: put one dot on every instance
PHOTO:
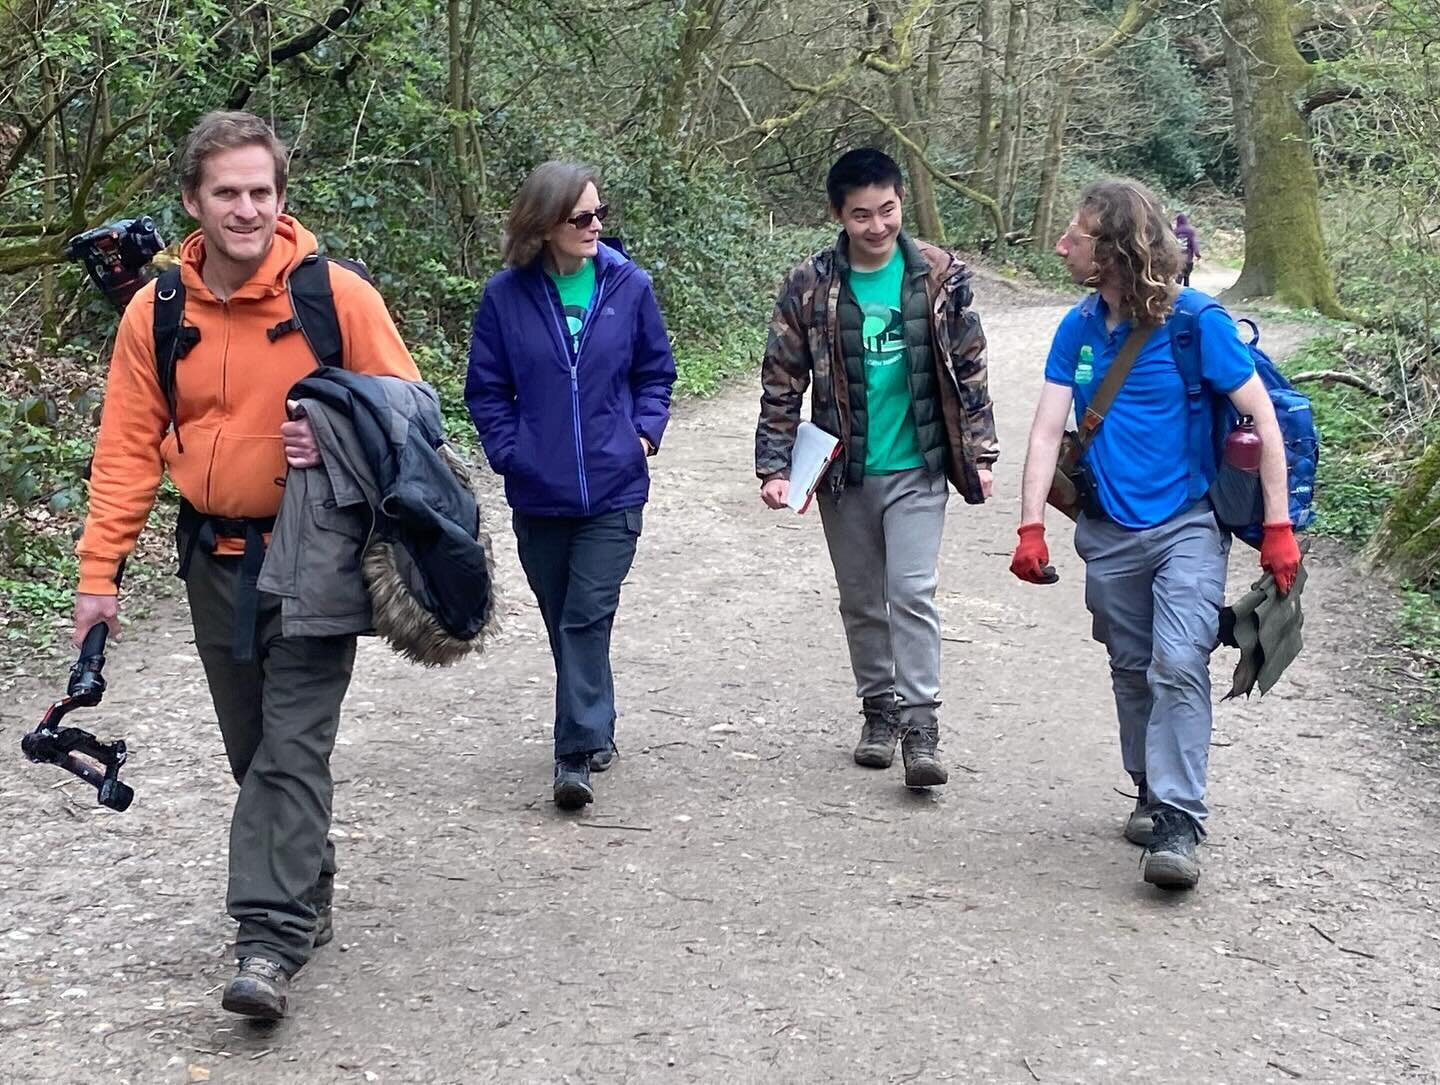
(291, 48)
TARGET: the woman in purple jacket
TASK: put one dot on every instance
(569, 387)
(1189, 246)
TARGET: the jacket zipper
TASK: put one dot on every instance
(573, 357)
(224, 404)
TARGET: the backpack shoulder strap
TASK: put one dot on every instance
(1185, 348)
(313, 304)
(173, 340)
(1184, 324)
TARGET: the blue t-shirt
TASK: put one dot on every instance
(1139, 457)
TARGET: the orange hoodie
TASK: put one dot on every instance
(230, 392)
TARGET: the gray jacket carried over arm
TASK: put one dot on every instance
(350, 555)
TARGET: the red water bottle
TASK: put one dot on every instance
(1242, 446)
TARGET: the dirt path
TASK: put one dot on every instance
(743, 903)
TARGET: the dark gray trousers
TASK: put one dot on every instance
(278, 715)
(575, 566)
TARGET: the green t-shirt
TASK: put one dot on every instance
(577, 293)
(891, 442)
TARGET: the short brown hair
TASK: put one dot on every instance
(544, 201)
(221, 131)
(1134, 246)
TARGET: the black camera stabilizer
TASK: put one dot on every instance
(76, 751)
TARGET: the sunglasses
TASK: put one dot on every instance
(584, 218)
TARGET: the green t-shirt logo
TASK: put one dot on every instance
(575, 320)
(884, 334)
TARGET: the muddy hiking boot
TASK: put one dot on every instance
(1171, 860)
(572, 782)
(259, 988)
(1140, 825)
(879, 732)
(918, 749)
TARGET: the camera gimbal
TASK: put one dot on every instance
(76, 751)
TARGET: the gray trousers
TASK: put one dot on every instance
(1156, 596)
(884, 539)
(278, 715)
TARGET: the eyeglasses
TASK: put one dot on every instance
(584, 218)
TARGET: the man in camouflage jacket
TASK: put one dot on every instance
(880, 330)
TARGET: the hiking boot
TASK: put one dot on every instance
(572, 782)
(1170, 859)
(601, 760)
(1140, 825)
(258, 989)
(918, 749)
(879, 733)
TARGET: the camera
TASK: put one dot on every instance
(115, 255)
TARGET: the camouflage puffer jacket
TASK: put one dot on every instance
(804, 349)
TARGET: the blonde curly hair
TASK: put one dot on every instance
(1135, 247)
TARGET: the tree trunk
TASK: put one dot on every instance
(1137, 14)
(49, 317)
(1407, 544)
(701, 24)
(922, 189)
(985, 94)
(939, 31)
(458, 99)
(1042, 224)
(1284, 249)
(1009, 104)
(1017, 145)
(895, 36)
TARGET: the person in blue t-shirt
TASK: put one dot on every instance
(1154, 558)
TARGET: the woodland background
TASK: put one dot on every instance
(1302, 138)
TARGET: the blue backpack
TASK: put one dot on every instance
(1212, 416)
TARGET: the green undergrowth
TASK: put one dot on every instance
(1359, 463)
(1366, 453)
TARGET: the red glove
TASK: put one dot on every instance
(1032, 557)
(1280, 555)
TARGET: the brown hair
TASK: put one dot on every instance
(544, 201)
(223, 131)
(1134, 247)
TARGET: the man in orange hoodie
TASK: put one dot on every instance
(222, 434)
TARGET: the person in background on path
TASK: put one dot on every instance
(1154, 557)
(880, 329)
(1189, 246)
(221, 433)
(569, 387)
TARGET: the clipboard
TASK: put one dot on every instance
(814, 452)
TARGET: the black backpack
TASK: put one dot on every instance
(312, 306)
